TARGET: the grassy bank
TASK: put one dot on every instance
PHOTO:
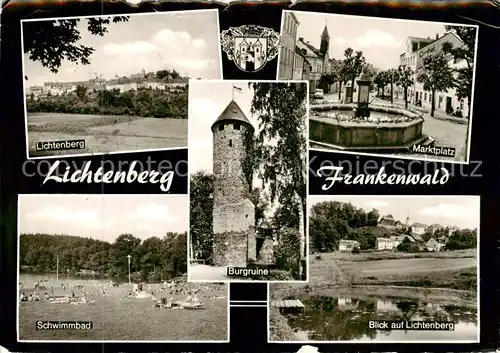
(452, 270)
(279, 330)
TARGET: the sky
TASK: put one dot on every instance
(381, 40)
(460, 211)
(206, 102)
(104, 217)
(185, 41)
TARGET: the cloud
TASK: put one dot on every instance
(134, 48)
(450, 211)
(151, 213)
(173, 49)
(340, 41)
(376, 203)
(84, 218)
(376, 38)
(194, 64)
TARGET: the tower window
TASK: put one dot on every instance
(221, 127)
(230, 143)
(236, 126)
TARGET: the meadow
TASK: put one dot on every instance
(107, 133)
(118, 317)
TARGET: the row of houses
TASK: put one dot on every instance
(389, 222)
(416, 50)
(123, 84)
(301, 60)
(393, 241)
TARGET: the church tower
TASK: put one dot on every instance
(325, 41)
(234, 242)
(408, 222)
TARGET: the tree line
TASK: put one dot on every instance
(436, 74)
(154, 259)
(332, 221)
(142, 102)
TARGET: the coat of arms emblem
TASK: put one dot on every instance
(250, 47)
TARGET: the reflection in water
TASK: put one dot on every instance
(346, 319)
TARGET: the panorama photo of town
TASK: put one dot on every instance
(120, 83)
(409, 259)
(383, 86)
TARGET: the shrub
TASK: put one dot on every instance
(288, 250)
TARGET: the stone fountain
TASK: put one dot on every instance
(365, 127)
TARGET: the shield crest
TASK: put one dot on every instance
(250, 53)
(250, 47)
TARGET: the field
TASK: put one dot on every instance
(104, 134)
(453, 273)
(118, 317)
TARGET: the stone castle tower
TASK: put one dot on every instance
(234, 241)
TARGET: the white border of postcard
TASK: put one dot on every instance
(478, 292)
(20, 196)
(239, 82)
(381, 155)
(164, 13)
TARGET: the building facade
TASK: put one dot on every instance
(417, 49)
(318, 59)
(234, 239)
(348, 245)
(287, 51)
(418, 228)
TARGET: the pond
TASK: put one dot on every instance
(348, 318)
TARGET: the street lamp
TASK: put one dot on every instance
(129, 257)
(364, 81)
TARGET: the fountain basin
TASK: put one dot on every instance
(388, 128)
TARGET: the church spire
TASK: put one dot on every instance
(325, 31)
(325, 41)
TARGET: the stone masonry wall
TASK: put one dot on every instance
(266, 253)
(230, 249)
(229, 151)
(233, 213)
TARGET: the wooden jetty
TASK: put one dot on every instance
(288, 306)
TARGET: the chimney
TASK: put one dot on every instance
(437, 36)
(301, 39)
(428, 37)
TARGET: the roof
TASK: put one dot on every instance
(436, 226)
(389, 216)
(417, 237)
(325, 32)
(348, 241)
(233, 113)
(310, 49)
(421, 39)
(419, 225)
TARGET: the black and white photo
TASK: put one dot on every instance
(382, 86)
(385, 269)
(106, 84)
(248, 180)
(112, 268)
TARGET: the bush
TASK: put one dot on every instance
(288, 250)
(355, 250)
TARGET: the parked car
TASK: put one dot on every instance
(318, 93)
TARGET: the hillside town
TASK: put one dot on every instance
(161, 80)
(391, 233)
(301, 59)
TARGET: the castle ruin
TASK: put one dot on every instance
(234, 242)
